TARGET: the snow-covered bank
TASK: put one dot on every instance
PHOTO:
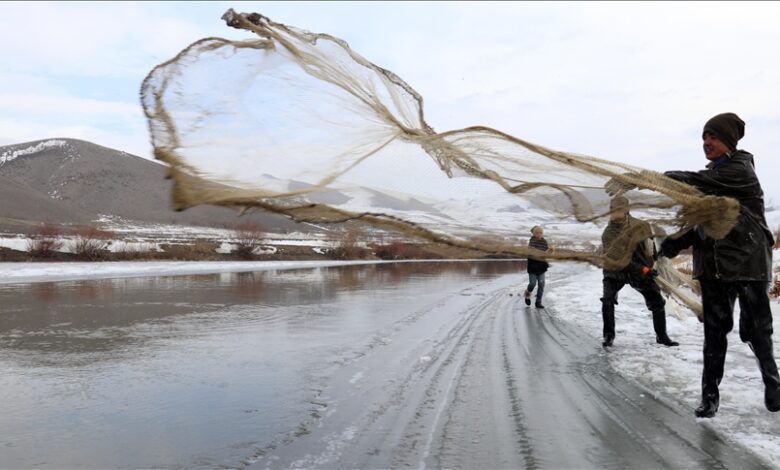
(66, 271)
(671, 373)
(134, 238)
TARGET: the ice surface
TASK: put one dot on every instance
(572, 295)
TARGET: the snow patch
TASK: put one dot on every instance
(11, 155)
(355, 378)
(18, 243)
(224, 248)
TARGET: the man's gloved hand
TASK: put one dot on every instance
(667, 250)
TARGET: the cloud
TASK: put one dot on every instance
(42, 105)
(46, 112)
(629, 81)
(94, 38)
(20, 131)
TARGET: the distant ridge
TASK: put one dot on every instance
(71, 181)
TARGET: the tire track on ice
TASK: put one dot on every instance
(388, 422)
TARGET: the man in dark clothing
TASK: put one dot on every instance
(737, 266)
(626, 236)
(536, 266)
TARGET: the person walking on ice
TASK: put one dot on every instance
(536, 266)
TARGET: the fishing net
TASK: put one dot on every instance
(299, 124)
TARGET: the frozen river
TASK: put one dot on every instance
(422, 365)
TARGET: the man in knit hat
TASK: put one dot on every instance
(739, 266)
(727, 128)
(630, 239)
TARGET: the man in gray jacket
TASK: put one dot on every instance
(738, 266)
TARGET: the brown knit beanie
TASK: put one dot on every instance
(618, 203)
(727, 127)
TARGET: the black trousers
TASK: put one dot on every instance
(653, 299)
(755, 326)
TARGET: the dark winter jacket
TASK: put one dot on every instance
(616, 237)
(536, 265)
(745, 254)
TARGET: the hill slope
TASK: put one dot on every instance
(71, 181)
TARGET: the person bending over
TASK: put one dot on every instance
(624, 231)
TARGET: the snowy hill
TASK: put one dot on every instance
(68, 181)
(71, 181)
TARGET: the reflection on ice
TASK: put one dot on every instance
(192, 371)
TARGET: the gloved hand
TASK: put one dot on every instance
(667, 250)
(649, 273)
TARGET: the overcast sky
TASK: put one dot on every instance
(631, 82)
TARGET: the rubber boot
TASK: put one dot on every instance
(608, 315)
(708, 406)
(762, 348)
(768, 368)
(659, 325)
(711, 377)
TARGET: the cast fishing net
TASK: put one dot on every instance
(297, 123)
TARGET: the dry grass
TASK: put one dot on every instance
(774, 291)
(348, 246)
(249, 236)
(45, 241)
(201, 250)
(91, 243)
(134, 253)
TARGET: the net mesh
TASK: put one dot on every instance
(299, 124)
